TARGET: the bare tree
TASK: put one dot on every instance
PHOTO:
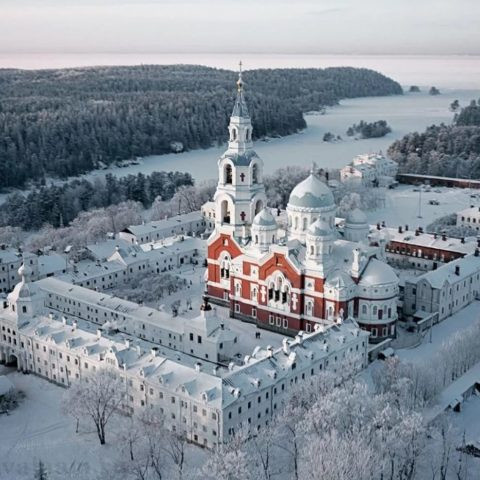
(95, 397)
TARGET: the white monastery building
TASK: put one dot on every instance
(64, 333)
(371, 169)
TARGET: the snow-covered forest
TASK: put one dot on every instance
(444, 150)
(66, 122)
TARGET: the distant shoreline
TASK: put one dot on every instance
(447, 71)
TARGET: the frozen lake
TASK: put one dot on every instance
(404, 113)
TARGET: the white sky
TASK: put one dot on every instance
(241, 26)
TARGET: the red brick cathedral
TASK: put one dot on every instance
(292, 277)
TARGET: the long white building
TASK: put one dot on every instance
(63, 333)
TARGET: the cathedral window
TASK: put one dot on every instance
(228, 174)
(375, 309)
(304, 227)
(255, 174)
(258, 206)
(296, 223)
(270, 292)
(364, 309)
(312, 250)
(225, 212)
(256, 239)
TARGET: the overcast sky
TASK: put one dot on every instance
(241, 26)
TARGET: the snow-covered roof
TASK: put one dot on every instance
(242, 159)
(427, 240)
(152, 227)
(311, 193)
(51, 264)
(103, 250)
(467, 266)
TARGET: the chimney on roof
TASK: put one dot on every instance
(444, 237)
(285, 346)
(64, 320)
(215, 369)
(478, 242)
(127, 343)
(420, 229)
(198, 366)
(99, 333)
(154, 351)
(435, 235)
(477, 252)
(231, 365)
(457, 270)
(383, 223)
(417, 232)
(378, 226)
(462, 240)
(406, 228)
(74, 325)
(269, 351)
(400, 229)
(299, 336)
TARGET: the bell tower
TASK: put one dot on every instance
(240, 192)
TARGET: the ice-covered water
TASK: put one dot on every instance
(404, 113)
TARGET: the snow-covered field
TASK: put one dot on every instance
(441, 332)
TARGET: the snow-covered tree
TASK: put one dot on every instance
(95, 398)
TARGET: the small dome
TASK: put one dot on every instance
(264, 219)
(320, 228)
(311, 193)
(356, 217)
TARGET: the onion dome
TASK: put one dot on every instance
(264, 219)
(320, 228)
(356, 217)
(311, 193)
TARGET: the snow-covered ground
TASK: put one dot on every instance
(441, 332)
(402, 205)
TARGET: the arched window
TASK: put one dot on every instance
(258, 206)
(234, 134)
(312, 250)
(228, 174)
(364, 309)
(304, 227)
(309, 308)
(255, 173)
(296, 223)
(273, 238)
(256, 239)
(289, 220)
(375, 309)
(225, 212)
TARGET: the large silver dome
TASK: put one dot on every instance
(311, 193)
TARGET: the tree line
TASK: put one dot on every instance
(65, 122)
(444, 150)
(58, 205)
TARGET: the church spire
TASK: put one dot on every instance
(240, 108)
